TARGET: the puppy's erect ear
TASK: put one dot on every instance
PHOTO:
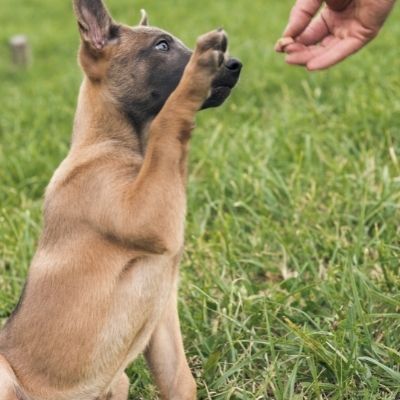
(144, 20)
(95, 23)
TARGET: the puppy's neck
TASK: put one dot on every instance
(97, 119)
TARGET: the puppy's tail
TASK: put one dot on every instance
(9, 386)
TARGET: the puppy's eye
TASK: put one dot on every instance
(162, 45)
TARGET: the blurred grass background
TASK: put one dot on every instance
(290, 283)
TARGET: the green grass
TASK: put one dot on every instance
(290, 283)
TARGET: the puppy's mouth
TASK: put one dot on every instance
(218, 95)
(223, 83)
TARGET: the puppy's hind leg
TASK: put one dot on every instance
(166, 358)
(9, 388)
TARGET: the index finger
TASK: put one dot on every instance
(301, 15)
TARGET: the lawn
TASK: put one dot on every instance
(290, 285)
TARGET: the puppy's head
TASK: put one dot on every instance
(139, 67)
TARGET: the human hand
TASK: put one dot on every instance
(341, 29)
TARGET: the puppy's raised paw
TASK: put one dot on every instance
(210, 50)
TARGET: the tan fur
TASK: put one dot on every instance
(102, 286)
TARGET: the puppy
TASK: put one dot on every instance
(102, 286)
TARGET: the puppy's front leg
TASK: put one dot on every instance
(166, 358)
(176, 119)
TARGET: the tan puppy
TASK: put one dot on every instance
(102, 286)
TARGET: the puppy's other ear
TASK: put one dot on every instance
(144, 20)
(95, 23)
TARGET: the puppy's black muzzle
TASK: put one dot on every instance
(223, 83)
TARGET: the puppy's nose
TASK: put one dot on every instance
(233, 65)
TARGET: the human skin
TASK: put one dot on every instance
(323, 39)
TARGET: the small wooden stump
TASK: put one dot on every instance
(20, 51)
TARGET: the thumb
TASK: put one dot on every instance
(301, 15)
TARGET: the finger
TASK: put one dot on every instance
(335, 53)
(303, 57)
(299, 47)
(294, 48)
(301, 15)
(282, 43)
(315, 32)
